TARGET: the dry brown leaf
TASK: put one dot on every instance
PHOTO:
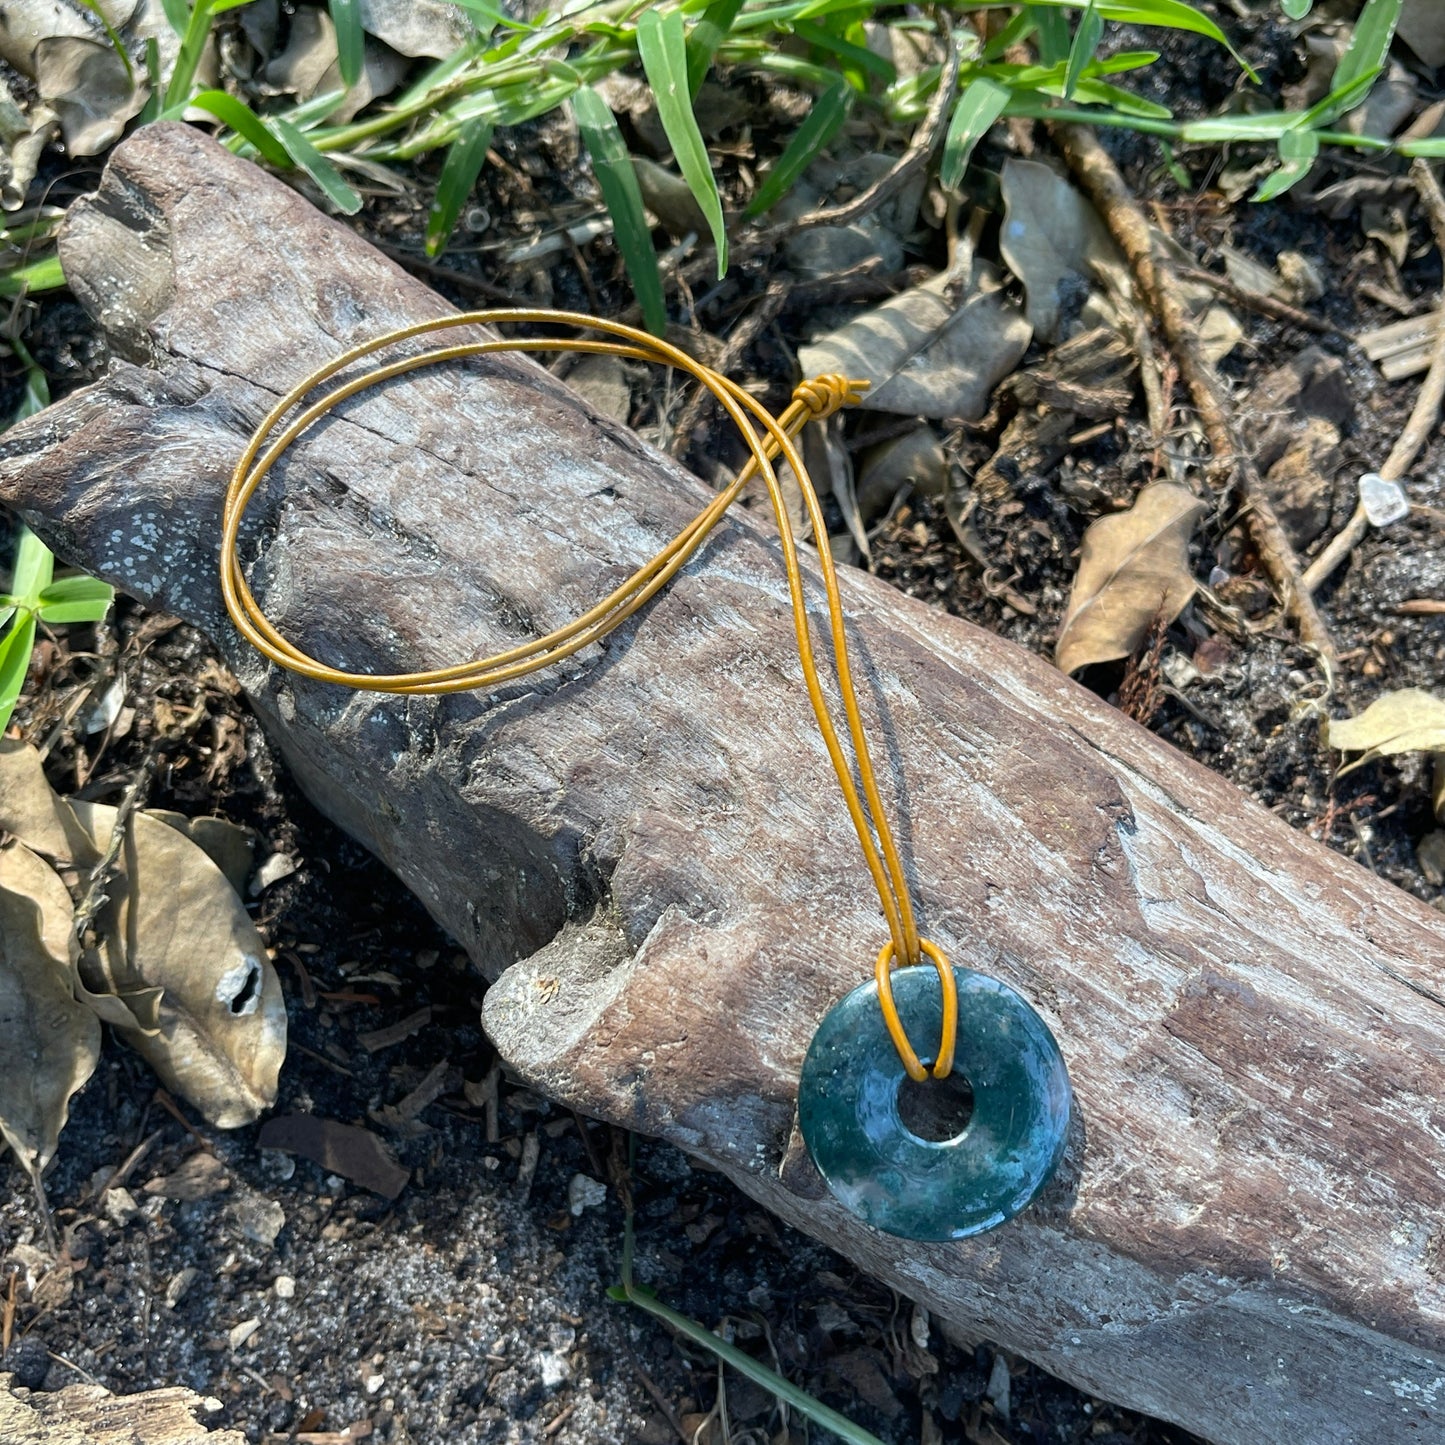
(90, 90)
(1055, 243)
(49, 1042)
(30, 809)
(1410, 720)
(180, 968)
(924, 353)
(1422, 28)
(175, 923)
(915, 459)
(353, 1153)
(1133, 567)
(198, 1177)
(230, 847)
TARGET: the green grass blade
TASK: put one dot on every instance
(152, 108)
(116, 43)
(244, 121)
(488, 17)
(34, 567)
(1167, 14)
(178, 15)
(1096, 92)
(465, 158)
(42, 275)
(825, 119)
(15, 649)
(1081, 52)
(1339, 100)
(1296, 9)
(36, 396)
(1267, 125)
(1297, 152)
(193, 42)
(784, 1390)
(661, 44)
(1369, 47)
(1053, 28)
(1431, 148)
(193, 45)
(981, 103)
(350, 39)
(617, 180)
(316, 166)
(1018, 29)
(709, 32)
(855, 57)
(75, 599)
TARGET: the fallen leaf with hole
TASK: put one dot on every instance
(1408, 721)
(179, 967)
(353, 1153)
(1133, 567)
(50, 1043)
(925, 353)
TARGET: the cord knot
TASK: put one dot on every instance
(823, 395)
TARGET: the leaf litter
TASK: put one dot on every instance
(1409, 720)
(925, 352)
(176, 965)
(1133, 569)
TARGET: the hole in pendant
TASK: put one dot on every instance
(937, 1111)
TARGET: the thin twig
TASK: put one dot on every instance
(1422, 418)
(763, 311)
(96, 897)
(1260, 301)
(1154, 274)
(925, 141)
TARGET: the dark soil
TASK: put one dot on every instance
(474, 1307)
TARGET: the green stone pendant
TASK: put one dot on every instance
(947, 1158)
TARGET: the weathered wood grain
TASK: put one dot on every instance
(646, 851)
(90, 1415)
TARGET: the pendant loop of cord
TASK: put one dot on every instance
(766, 437)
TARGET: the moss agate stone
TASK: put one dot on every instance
(935, 1188)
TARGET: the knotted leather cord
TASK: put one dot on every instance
(811, 400)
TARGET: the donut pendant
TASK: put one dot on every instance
(948, 1158)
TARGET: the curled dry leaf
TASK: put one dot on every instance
(926, 354)
(176, 924)
(1408, 721)
(90, 90)
(49, 1042)
(1133, 567)
(180, 968)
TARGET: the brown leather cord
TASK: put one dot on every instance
(812, 400)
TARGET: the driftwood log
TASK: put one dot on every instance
(645, 850)
(90, 1415)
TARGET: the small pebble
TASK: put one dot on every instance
(285, 1287)
(180, 1282)
(583, 1193)
(1384, 502)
